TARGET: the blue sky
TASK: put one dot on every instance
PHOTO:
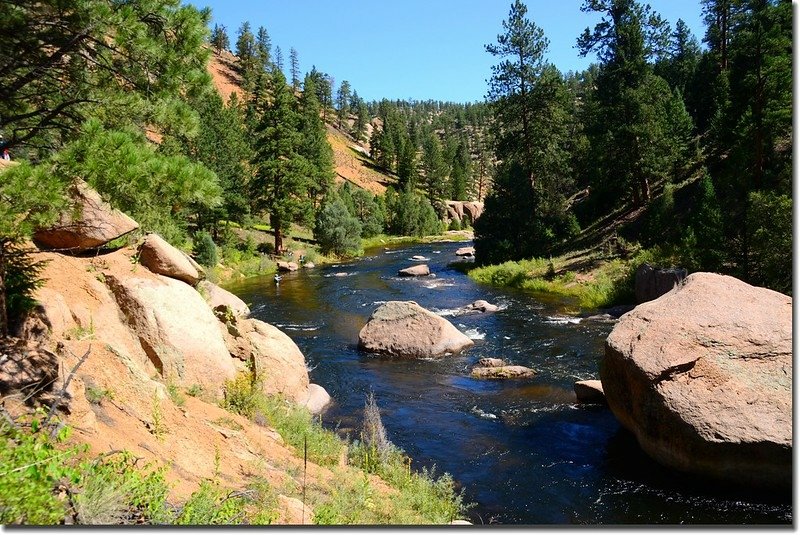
(418, 49)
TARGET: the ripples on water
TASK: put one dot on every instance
(523, 450)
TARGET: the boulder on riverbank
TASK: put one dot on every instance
(703, 377)
(465, 251)
(287, 266)
(421, 270)
(405, 329)
(88, 224)
(160, 257)
(493, 368)
(216, 296)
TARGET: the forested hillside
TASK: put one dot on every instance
(662, 145)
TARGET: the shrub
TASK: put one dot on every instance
(454, 225)
(205, 250)
(336, 230)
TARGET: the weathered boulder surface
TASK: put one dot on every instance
(465, 251)
(651, 283)
(176, 328)
(216, 296)
(318, 398)
(421, 270)
(287, 266)
(589, 391)
(703, 377)
(278, 362)
(405, 329)
(489, 362)
(89, 223)
(157, 255)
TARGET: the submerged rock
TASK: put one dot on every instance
(405, 329)
(502, 372)
(421, 270)
(703, 377)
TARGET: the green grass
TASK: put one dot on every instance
(384, 240)
(611, 284)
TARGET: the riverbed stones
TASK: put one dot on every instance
(465, 251)
(481, 306)
(422, 270)
(589, 391)
(88, 223)
(405, 329)
(702, 376)
(157, 255)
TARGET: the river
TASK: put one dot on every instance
(523, 451)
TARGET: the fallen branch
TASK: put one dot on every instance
(63, 391)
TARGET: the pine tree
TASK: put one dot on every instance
(294, 68)
(362, 119)
(279, 59)
(282, 173)
(246, 52)
(315, 146)
(263, 49)
(343, 103)
(434, 166)
(219, 38)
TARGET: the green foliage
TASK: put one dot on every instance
(56, 76)
(205, 250)
(336, 230)
(156, 190)
(211, 505)
(411, 214)
(454, 225)
(244, 395)
(769, 226)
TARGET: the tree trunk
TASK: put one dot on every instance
(276, 224)
(3, 302)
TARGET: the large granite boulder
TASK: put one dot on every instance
(405, 329)
(589, 391)
(421, 270)
(287, 266)
(160, 257)
(465, 251)
(703, 377)
(651, 283)
(89, 223)
(177, 330)
(216, 296)
(279, 364)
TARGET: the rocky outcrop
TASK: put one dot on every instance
(405, 329)
(287, 266)
(422, 270)
(703, 377)
(216, 296)
(465, 251)
(177, 330)
(473, 210)
(651, 283)
(492, 368)
(88, 224)
(589, 391)
(160, 257)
